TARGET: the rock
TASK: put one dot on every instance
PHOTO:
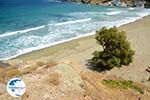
(147, 5)
(4, 64)
(148, 79)
(123, 3)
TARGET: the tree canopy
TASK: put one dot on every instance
(116, 49)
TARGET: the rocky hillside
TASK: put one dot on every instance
(66, 81)
(147, 5)
(133, 3)
(90, 1)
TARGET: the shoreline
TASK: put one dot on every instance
(62, 72)
(79, 51)
(48, 46)
(33, 49)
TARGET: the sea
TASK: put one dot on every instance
(28, 25)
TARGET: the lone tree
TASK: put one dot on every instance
(116, 49)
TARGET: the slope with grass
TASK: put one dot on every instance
(66, 81)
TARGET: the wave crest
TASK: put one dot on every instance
(75, 21)
(21, 31)
(113, 13)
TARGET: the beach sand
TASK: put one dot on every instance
(138, 33)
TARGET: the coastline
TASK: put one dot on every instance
(59, 47)
(29, 50)
(62, 70)
(65, 31)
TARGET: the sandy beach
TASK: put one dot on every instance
(47, 46)
(80, 50)
(60, 72)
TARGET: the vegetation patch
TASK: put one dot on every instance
(33, 68)
(53, 78)
(40, 63)
(123, 84)
(7, 73)
(29, 70)
(51, 64)
(116, 50)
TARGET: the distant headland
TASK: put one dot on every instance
(122, 3)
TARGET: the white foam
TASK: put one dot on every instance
(117, 23)
(131, 8)
(113, 13)
(75, 21)
(128, 20)
(21, 31)
(111, 9)
(24, 51)
(57, 1)
(143, 14)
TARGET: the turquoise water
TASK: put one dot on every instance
(32, 26)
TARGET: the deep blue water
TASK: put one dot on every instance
(27, 25)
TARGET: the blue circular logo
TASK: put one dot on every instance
(16, 87)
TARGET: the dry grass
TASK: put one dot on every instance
(50, 64)
(1, 93)
(25, 96)
(40, 63)
(29, 70)
(53, 79)
(7, 73)
(92, 86)
(95, 89)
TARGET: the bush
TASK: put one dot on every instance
(123, 84)
(116, 49)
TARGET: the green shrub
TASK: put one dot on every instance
(116, 49)
(123, 84)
